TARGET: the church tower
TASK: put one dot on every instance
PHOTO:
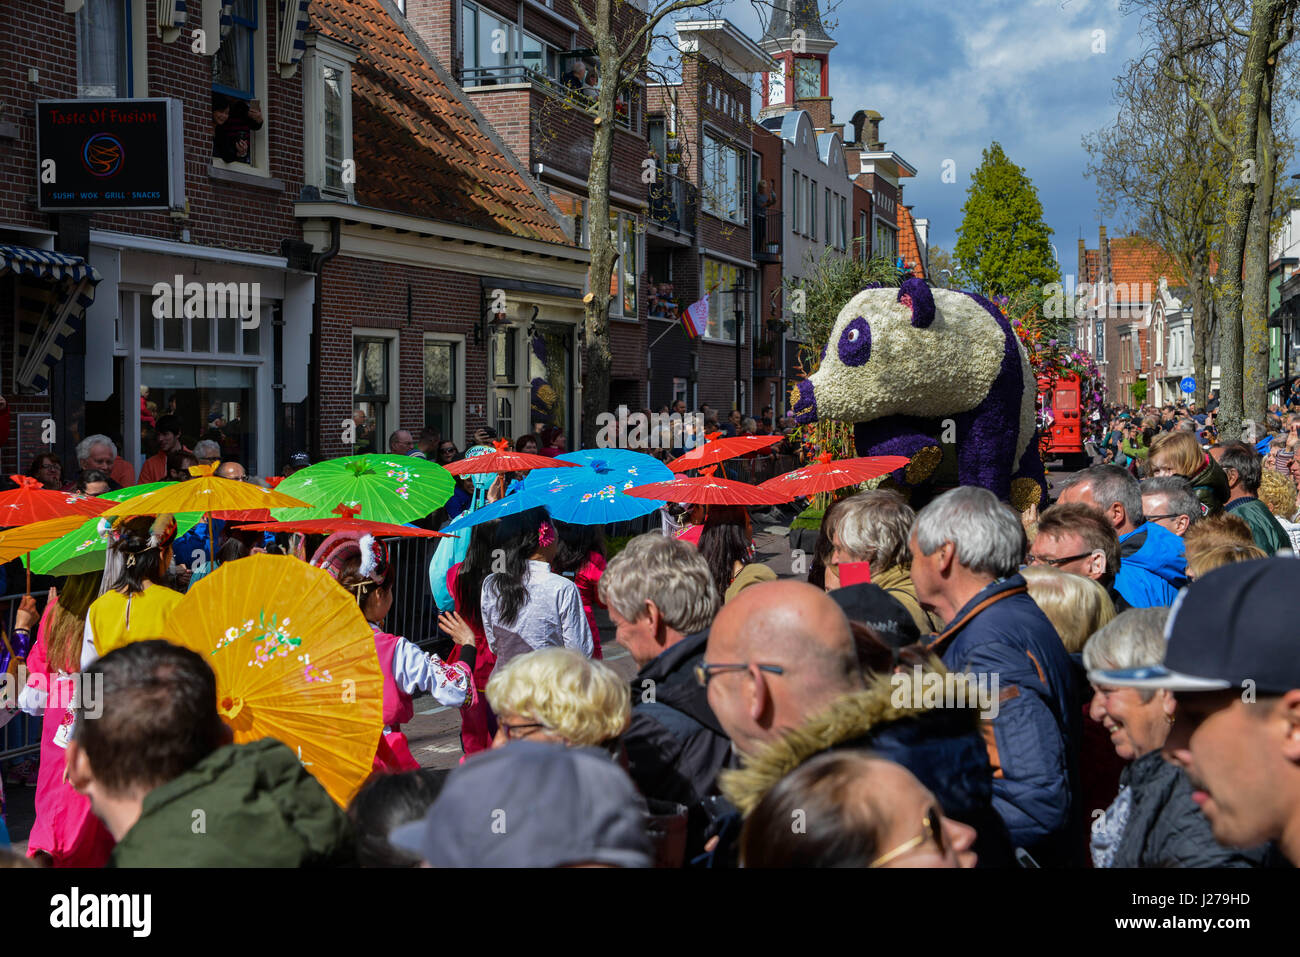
(797, 40)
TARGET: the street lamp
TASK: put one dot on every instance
(738, 291)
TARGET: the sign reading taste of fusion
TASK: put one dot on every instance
(110, 154)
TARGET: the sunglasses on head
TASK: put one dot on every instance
(931, 827)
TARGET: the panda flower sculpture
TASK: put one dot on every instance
(918, 369)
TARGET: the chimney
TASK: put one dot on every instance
(1103, 271)
(1083, 261)
(871, 132)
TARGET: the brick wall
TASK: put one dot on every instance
(364, 294)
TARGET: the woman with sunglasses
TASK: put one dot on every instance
(857, 810)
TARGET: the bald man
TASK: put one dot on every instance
(786, 625)
(785, 683)
(231, 470)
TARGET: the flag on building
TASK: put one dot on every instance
(696, 317)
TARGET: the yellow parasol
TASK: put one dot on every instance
(27, 538)
(204, 492)
(295, 660)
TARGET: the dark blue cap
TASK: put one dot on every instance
(1235, 625)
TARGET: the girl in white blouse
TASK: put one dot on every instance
(525, 605)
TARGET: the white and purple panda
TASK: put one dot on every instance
(916, 367)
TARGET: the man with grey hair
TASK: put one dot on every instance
(662, 600)
(1170, 501)
(966, 552)
(207, 452)
(99, 452)
(1153, 565)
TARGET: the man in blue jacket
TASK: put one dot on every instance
(966, 553)
(1153, 565)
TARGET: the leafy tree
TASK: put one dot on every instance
(1003, 243)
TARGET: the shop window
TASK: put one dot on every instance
(370, 394)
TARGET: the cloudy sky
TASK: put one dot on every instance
(951, 76)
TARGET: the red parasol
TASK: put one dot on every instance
(826, 475)
(33, 502)
(346, 522)
(504, 460)
(720, 450)
(707, 490)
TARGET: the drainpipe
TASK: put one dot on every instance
(313, 372)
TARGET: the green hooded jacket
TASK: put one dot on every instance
(244, 805)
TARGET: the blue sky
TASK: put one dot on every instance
(951, 76)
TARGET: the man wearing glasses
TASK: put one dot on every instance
(1076, 538)
(783, 678)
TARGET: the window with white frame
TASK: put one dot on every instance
(442, 385)
(104, 48)
(720, 280)
(328, 111)
(623, 282)
(724, 180)
(373, 392)
(796, 203)
(812, 209)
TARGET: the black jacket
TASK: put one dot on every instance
(675, 746)
(1165, 827)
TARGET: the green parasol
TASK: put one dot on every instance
(82, 550)
(387, 488)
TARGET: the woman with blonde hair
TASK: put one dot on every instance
(1178, 453)
(561, 695)
(1075, 605)
(1216, 541)
(1278, 493)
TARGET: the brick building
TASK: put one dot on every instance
(453, 296)
(226, 212)
(528, 69)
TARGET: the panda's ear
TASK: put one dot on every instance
(916, 295)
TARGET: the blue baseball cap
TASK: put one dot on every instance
(1232, 626)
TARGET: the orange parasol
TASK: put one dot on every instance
(719, 450)
(26, 538)
(346, 522)
(295, 660)
(504, 460)
(826, 475)
(708, 490)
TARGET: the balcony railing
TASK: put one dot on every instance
(476, 78)
(672, 202)
(767, 231)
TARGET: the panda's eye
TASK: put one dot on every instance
(854, 335)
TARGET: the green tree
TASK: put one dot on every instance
(1003, 243)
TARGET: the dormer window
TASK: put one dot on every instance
(327, 130)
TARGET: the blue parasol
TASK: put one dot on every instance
(593, 493)
(517, 500)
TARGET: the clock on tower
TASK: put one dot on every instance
(776, 86)
(807, 77)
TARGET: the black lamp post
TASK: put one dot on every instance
(739, 291)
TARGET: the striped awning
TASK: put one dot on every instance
(54, 291)
(292, 30)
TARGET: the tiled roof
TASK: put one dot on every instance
(1136, 265)
(908, 246)
(418, 146)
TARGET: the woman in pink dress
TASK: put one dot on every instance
(581, 557)
(66, 832)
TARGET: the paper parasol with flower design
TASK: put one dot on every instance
(592, 494)
(387, 488)
(32, 502)
(82, 549)
(505, 459)
(295, 660)
(719, 450)
(828, 474)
